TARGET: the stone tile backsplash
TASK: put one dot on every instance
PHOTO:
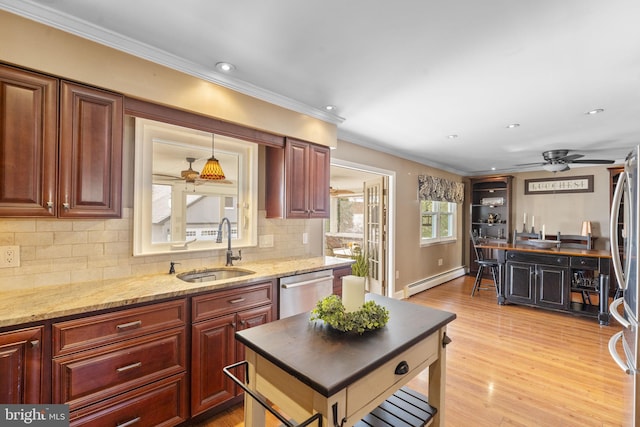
(60, 251)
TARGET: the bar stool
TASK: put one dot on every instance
(483, 263)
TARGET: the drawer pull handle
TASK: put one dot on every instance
(132, 366)
(128, 423)
(236, 301)
(402, 368)
(130, 325)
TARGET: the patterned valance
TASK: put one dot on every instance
(440, 189)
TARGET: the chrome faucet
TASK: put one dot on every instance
(230, 257)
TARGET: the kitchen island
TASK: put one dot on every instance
(307, 367)
(562, 279)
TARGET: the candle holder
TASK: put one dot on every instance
(533, 230)
(524, 227)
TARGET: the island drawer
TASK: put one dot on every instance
(230, 301)
(586, 263)
(535, 258)
(89, 332)
(88, 377)
(367, 393)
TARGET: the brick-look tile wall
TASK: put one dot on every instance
(61, 251)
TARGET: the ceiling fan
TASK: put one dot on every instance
(337, 192)
(559, 160)
(190, 175)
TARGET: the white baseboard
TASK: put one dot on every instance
(430, 282)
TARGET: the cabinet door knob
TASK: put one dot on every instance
(49, 205)
(35, 343)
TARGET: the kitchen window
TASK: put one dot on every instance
(437, 221)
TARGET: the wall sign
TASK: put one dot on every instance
(574, 184)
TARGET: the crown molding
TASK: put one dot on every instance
(86, 30)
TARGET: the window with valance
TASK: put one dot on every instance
(438, 199)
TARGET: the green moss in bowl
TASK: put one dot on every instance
(330, 310)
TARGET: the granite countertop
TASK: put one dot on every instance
(37, 304)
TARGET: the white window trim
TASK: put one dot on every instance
(427, 241)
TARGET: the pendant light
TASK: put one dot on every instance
(212, 169)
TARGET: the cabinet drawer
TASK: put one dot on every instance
(93, 331)
(163, 403)
(384, 381)
(587, 263)
(85, 378)
(230, 301)
(535, 258)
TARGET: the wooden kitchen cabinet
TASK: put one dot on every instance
(106, 364)
(28, 142)
(70, 169)
(217, 316)
(91, 137)
(540, 280)
(338, 274)
(298, 180)
(22, 366)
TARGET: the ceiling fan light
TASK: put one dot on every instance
(555, 167)
(189, 175)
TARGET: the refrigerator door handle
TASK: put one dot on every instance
(614, 353)
(613, 310)
(613, 230)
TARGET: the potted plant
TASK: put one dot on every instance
(360, 267)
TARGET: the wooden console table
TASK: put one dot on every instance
(546, 277)
(305, 368)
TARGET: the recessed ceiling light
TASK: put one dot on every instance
(225, 67)
(330, 107)
(493, 168)
(595, 111)
(513, 125)
(452, 136)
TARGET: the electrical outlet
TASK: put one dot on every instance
(9, 256)
(265, 241)
(439, 261)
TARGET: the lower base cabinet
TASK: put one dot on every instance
(162, 403)
(216, 318)
(540, 280)
(22, 366)
(125, 367)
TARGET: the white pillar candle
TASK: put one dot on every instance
(533, 221)
(352, 292)
(524, 220)
(543, 232)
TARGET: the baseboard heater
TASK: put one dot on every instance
(430, 282)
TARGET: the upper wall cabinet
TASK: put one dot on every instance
(73, 170)
(298, 181)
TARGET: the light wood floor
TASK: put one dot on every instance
(516, 366)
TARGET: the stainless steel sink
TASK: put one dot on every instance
(211, 274)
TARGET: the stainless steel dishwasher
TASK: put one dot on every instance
(301, 292)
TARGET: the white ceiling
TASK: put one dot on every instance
(404, 75)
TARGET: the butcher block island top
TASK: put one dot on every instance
(49, 302)
(524, 247)
(306, 367)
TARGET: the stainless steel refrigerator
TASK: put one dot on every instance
(625, 262)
